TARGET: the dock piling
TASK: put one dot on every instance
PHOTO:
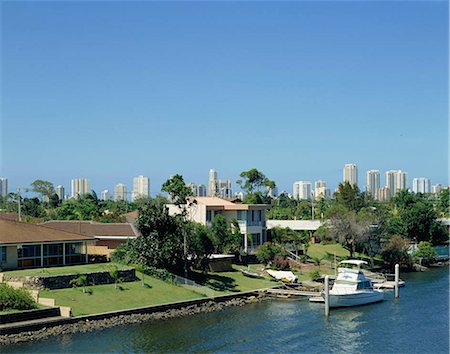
(327, 295)
(397, 278)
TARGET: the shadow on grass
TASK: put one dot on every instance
(214, 281)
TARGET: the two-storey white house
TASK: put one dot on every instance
(250, 217)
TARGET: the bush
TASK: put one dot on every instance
(426, 252)
(281, 263)
(268, 251)
(314, 275)
(15, 299)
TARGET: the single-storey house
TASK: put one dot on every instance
(108, 235)
(24, 245)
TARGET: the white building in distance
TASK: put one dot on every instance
(120, 192)
(105, 195)
(396, 180)
(320, 190)
(141, 188)
(80, 186)
(421, 185)
(350, 174)
(301, 190)
(59, 190)
(3, 186)
(372, 182)
(437, 188)
(212, 183)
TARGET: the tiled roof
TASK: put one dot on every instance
(12, 232)
(91, 228)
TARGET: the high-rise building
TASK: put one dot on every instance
(396, 180)
(224, 189)
(59, 190)
(3, 186)
(141, 188)
(320, 190)
(437, 188)
(372, 182)
(198, 190)
(120, 192)
(302, 190)
(350, 174)
(80, 186)
(212, 183)
(421, 185)
(105, 195)
(383, 194)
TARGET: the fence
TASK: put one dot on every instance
(193, 286)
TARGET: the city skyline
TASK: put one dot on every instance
(332, 69)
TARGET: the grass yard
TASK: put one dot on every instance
(66, 270)
(106, 298)
(319, 250)
(230, 282)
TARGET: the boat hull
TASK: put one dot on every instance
(355, 299)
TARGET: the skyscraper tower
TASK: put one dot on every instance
(350, 174)
(421, 185)
(3, 186)
(59, 190)
(120, 192)
(80, 186)
(212, 183)
(396, 180)
(372, 182)
(141, 187)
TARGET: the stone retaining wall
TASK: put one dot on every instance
(63, 281)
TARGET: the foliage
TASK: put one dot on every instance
(349, 196)
(177, 190)
(227, 236)
(281, 263)
(44, 188)
(15, 299)
(267, 252)
(256, 185)
(201, 245)
(426, 252)
(395, 251)
(443, 202)
(115, 274)
(80, 281)
(314, 275)
(160, 244)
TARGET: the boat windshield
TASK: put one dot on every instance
(366, 284)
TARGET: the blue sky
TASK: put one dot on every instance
(111, 90)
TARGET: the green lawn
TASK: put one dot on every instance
(319, 250)
(106, 298)
(66, 270)
(230, 282)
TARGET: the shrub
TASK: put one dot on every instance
(314, 275)
(426, 252)
(281, 263)
(268, 251)
(15, 299)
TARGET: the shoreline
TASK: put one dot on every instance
(82, 324)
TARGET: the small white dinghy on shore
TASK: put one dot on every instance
(284, 276)
(351, 287)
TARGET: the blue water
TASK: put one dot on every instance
(417, 323)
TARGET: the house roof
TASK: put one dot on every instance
(224, 204)
(94, 229)
(310, 225)
(13, 232)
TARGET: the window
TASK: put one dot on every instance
(28, 256)
(2, 254)
(53, 254)
(74, 253)
(208, 215)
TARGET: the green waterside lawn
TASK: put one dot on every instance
(106, 298)
(66, 270)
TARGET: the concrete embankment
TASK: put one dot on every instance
(17, 333)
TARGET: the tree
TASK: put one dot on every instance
(349, 196)
(267, 251)
(201, 245)
(43, 188)
(256, 186)
(426, 252)
(395, 251)
(227, 236)
(350, 230)
(160, 243)
(80, 280)
(443, 202)
(115, 274)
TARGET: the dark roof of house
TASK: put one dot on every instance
(90, 228)
(12, 232)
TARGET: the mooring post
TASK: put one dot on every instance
(327, 295)
(397, 277)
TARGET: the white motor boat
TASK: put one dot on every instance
(351, 287)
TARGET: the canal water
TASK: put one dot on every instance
(417, 323)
